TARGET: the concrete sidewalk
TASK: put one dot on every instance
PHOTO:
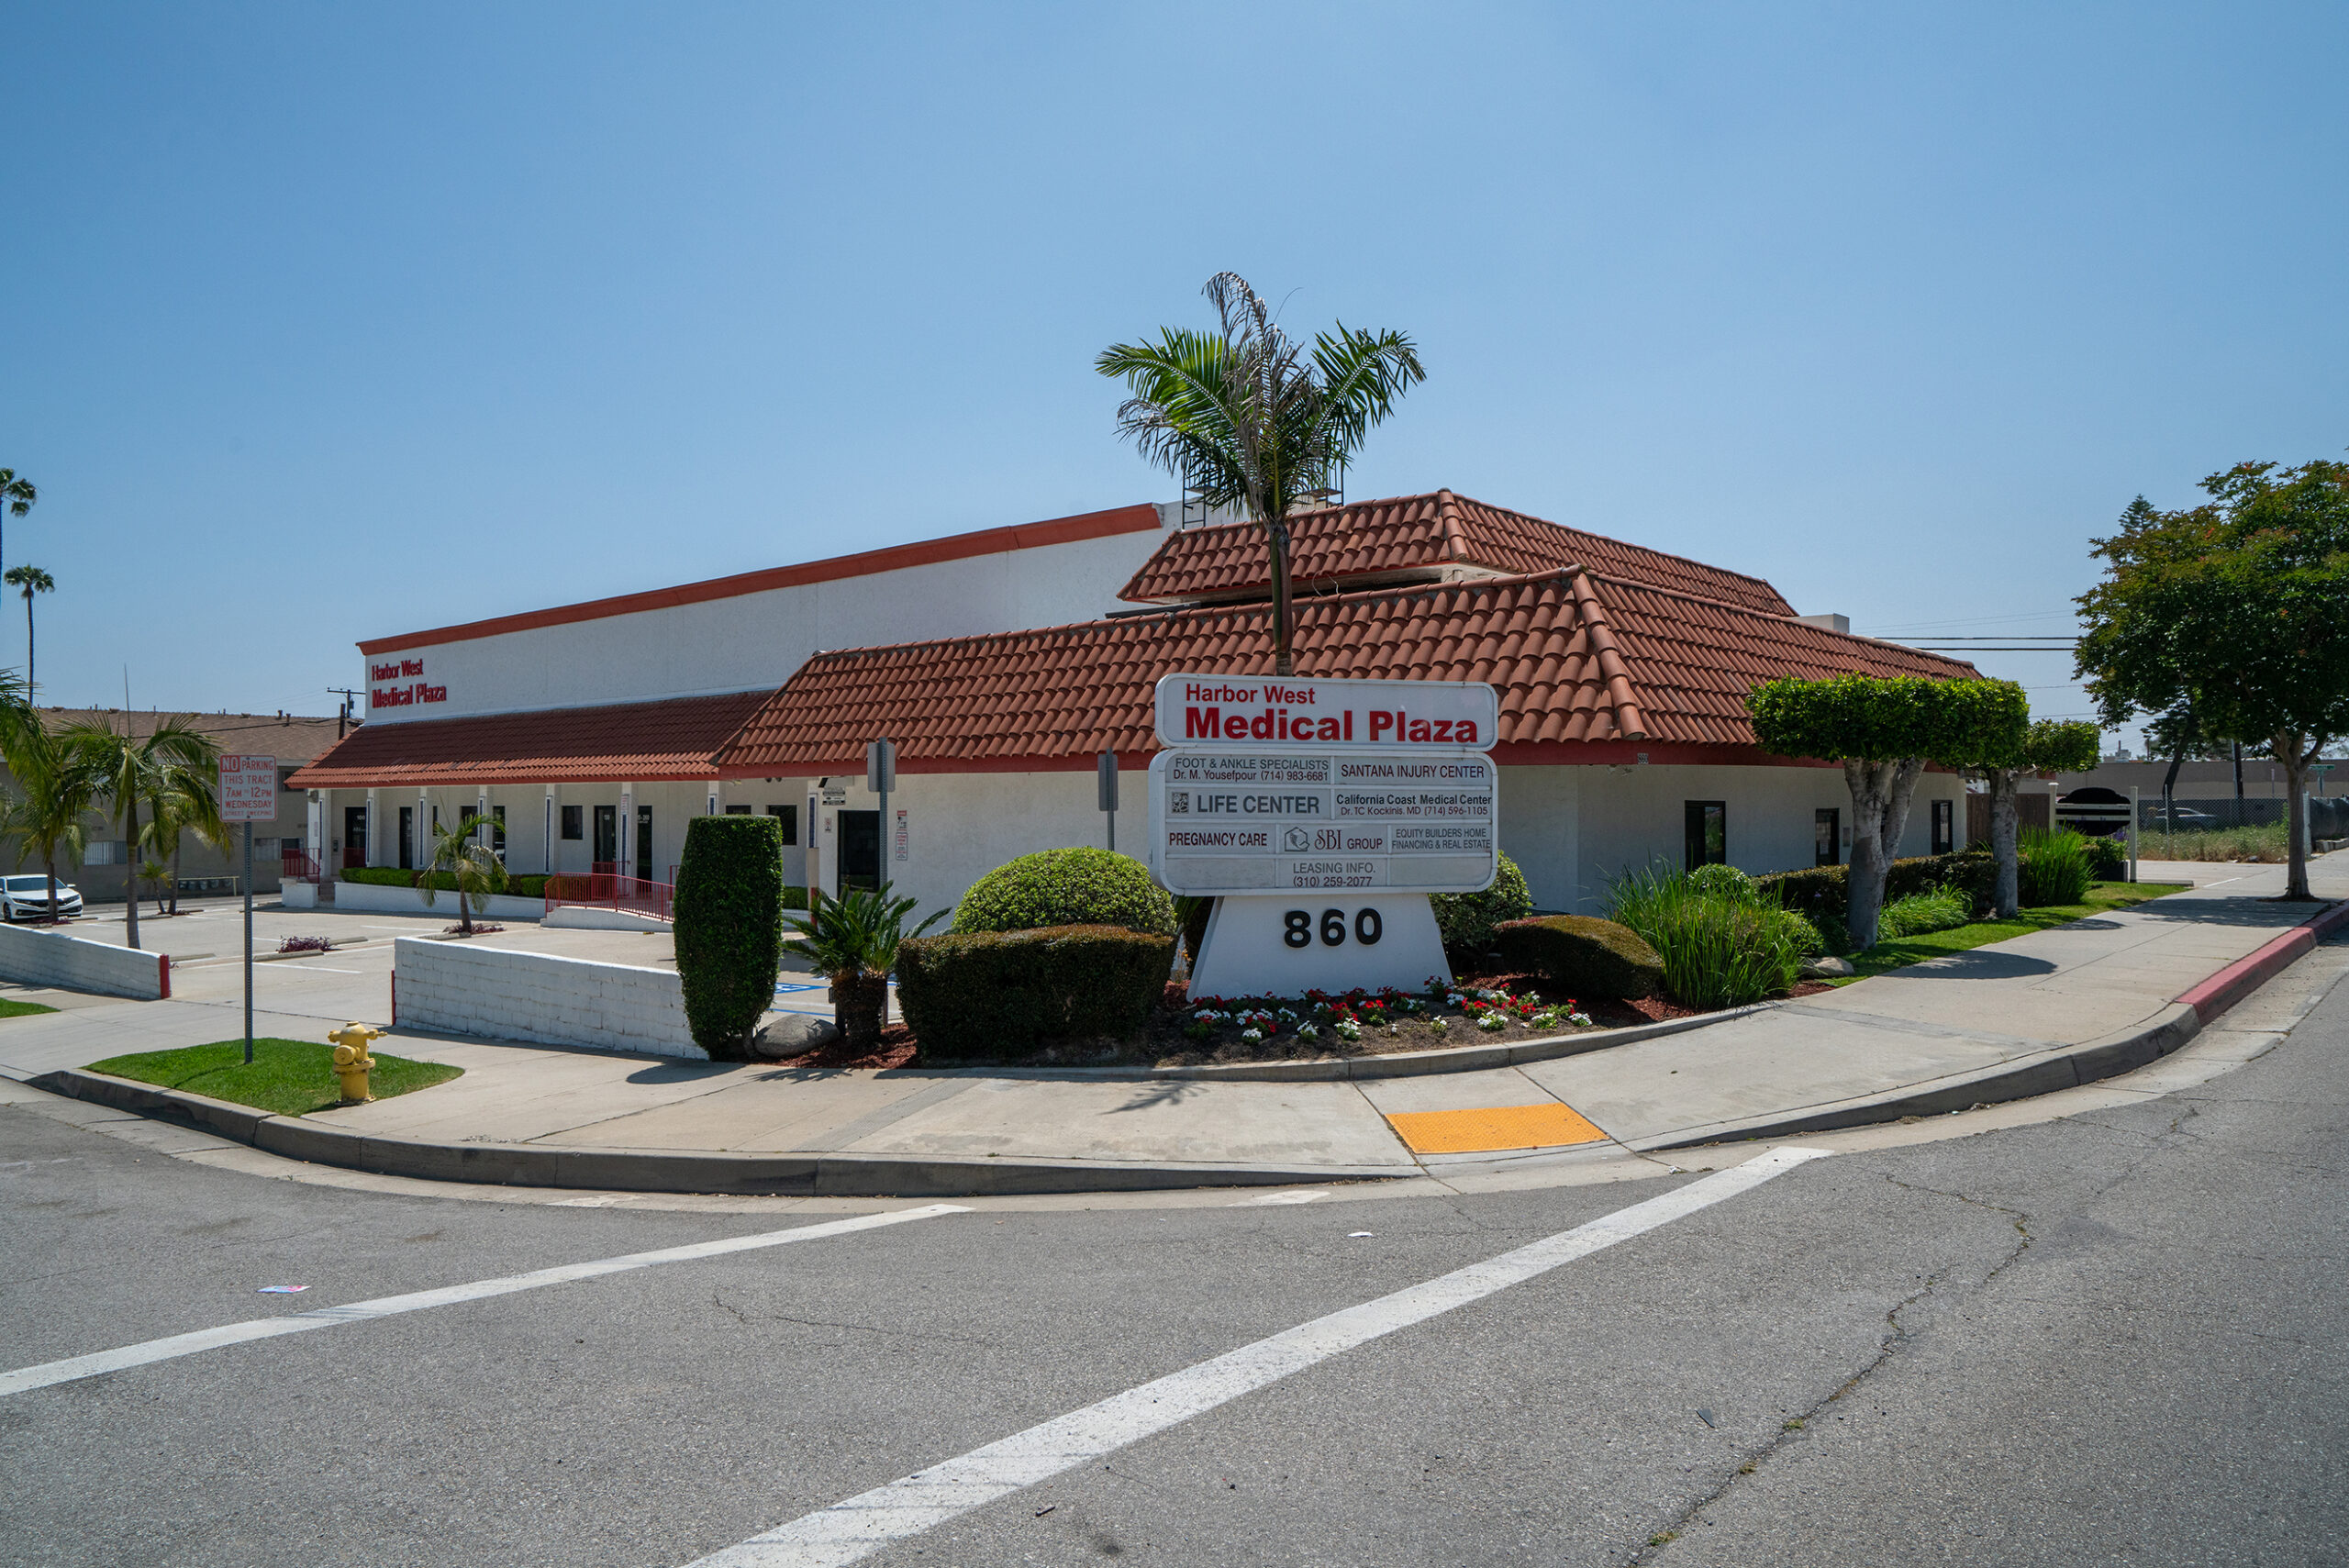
(2023, 1016)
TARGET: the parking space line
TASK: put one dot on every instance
(28, 1378)
(862, 1525)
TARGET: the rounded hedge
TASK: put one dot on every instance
(1066, 887)
(1584, 956)
(1723, 879)
(1465, 920)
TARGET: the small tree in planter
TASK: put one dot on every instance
(729, 929)
(852, 941)
(1884, 729)
(474, 866)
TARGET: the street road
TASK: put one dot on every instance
(2117, 1337)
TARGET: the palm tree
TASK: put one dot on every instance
(1239, 415)
(32, 580)
(130, 770)
(59, 786)
(852, 941)
(16, 495)
(183, 801)
(465, 854)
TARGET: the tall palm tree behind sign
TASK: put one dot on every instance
(1245, 418)
(32, 580)
(17, 497)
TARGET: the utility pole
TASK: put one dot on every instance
(342, 720)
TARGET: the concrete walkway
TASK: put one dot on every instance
(2040, 1012)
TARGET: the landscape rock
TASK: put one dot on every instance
(791, 1035)
(1827, 969)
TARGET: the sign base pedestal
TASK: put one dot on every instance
(1252, 949)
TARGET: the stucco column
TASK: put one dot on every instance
(373, 854)
(321, 848)
(546, 845)
(422, 852)
(625, 850)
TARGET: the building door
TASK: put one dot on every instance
(354, 835)
(1944, 826)
(1707, 831)
(644, 843)
(608, 835)
(1827, 837)
(860, 860)
(408, 837)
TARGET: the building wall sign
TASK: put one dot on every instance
(1220, 710)
(415, 690)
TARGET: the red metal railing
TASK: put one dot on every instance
(605, 890)
(296, 865)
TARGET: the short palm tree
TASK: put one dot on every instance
(16, 495)
(58, 786)
(1242, 416)
(32, 580)
(463, 853)
(156, 875)
(852, 941)
(184, 801)
(131, 770)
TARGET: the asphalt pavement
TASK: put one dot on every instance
(2112, 1334)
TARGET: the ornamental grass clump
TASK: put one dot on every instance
(2055, 868)
(1720, 947)
(1940, 910)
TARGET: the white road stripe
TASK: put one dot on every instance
(67, 1371)
(853, 1529)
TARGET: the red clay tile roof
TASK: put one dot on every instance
(1575, 658)
(1419, 536)
(675, 739)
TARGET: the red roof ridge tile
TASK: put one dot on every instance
(1610, 658)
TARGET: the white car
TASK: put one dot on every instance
(27, 898)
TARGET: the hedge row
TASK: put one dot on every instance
(1824, 891)
(393, 876)
(999, 995)
(1585, 958)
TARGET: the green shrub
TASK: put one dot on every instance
(1809, 938)
(1066, 887)
(1823, 892)
(1465, 920)
(729, 929)
(852, 941)
(1588, 958)
(2109, 857)
(2055, 868)
(392, 876)
(999, 995)
(1720, 950)
(1722, 878)
(1921, 912)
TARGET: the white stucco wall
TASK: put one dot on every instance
(753, 642)
(499, 993)
(76, 964)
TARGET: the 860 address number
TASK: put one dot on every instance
(1298, 928)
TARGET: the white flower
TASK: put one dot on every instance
(1252, 1036)
(1307, 1031)
(1287, 1017)
(1543, 1021)
(1578, 1018)
(1456, 1000)
(1348, 1029)
(1492, 1021)
(1440, 1023)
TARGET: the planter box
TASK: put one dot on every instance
(380, 900)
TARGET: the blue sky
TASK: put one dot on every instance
(325, 322)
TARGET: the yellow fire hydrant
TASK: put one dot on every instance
(351, 1063)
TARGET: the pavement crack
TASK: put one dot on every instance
(748, 1319)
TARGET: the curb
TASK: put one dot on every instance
(2062, 1067)
(658, 1171)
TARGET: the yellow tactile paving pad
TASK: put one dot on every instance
(1544, 1126)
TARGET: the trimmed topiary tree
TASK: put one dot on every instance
(1465, 920)
(1582, 955)
(729, 929)
(1066, 887)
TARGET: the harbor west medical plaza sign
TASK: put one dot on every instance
(1321, 814)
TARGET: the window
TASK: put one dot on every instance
(1944, 826)
(497, 830)
(789, 816)
(574, 824)
(738, 811)
(1706, 832)
(1827, 837)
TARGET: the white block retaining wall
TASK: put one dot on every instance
(383, 900)
(76, 964)
(499, 993)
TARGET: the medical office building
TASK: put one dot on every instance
(1002, 663)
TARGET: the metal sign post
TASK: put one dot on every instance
(248, 794)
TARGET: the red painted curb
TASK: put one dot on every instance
(2241, 978)
(163, 968)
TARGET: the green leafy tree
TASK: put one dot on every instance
(2240, 607)
(852, 941)
(1249, 417)
(1884, 730)
(130, 771)
(462, 854)
(30, 580)
(2050, 746)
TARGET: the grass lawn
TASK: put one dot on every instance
(288, 1077)
(20, 1009)
(2103, 898)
